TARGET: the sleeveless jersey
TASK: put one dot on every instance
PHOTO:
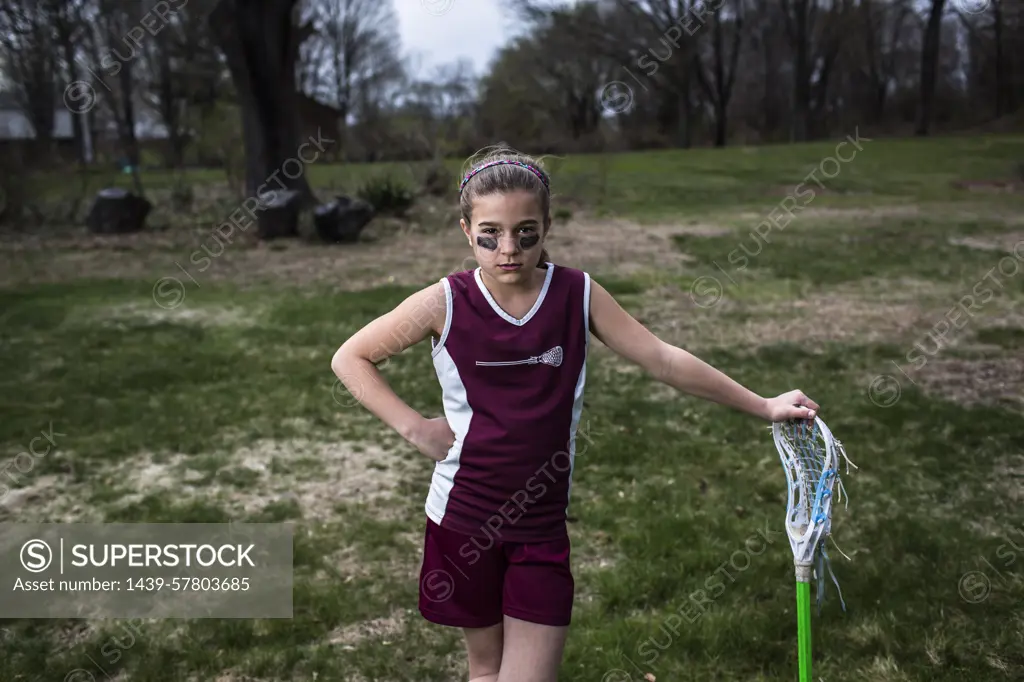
(513, 395)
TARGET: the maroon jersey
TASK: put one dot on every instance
(513, 394)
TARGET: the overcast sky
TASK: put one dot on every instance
(436, 32)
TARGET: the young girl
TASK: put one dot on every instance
(509, 344)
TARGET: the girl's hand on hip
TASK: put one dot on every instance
(792, 405)
(433, 437)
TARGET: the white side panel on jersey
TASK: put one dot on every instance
(435, 348)
(577, 405)
(459, 414)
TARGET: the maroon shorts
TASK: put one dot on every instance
(471, 582)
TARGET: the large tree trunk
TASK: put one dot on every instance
(929, 63)
(261, 44)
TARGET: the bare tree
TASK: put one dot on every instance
(182, 71)
(988, 45)
(662, 32)
(26, 38)
(815, 32)
(929, 61)
(69, 29)
(716, 72)
(112, 53)
(443, 101)
(351, 54)
(881, 24)
(562, 64)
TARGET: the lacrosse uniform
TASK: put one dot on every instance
(496, 540)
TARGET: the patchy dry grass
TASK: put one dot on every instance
(50, 499)
(350, 636)
(996, 381)
(223, 408)
(132, 313)
(315, 476)
(1011, 242)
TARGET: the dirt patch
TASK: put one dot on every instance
(989, 186)
(70, 634)
(49, 499)
(871, 213)
(861, 313)
(207, 316)
(414, 252)
(698, 230)
(994, 381)
(834, 317)
(1008, 481)
(384, 629)
(868, 311)
(343, 472)
(1010, 242)
(622, 247)
(407, 255)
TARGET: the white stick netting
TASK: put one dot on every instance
(810, 456)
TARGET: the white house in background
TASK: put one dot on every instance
(16, 126)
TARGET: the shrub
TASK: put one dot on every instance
(387, 194)
(437, 181)
(563, 214)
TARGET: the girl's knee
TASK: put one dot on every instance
(485, 647)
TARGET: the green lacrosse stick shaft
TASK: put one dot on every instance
(803, 627)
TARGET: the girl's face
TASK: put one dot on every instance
(507, 234)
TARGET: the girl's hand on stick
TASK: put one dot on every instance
(792, 405)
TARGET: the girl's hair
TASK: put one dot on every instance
(502, 169)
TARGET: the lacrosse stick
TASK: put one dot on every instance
(552, 357)
(810, 457)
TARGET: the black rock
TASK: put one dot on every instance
(280, 214)
(117, 211)
(342, 219)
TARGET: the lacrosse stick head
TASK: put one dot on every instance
(810, 457)
(552, 357)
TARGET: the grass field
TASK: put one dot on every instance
(186, 380)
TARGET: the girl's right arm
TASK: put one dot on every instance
(355, 364)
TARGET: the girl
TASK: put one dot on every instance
(509, 344)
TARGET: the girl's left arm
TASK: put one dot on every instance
(620, 331)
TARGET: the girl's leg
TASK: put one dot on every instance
(537, 602)
(532, 653)
(484, 646)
